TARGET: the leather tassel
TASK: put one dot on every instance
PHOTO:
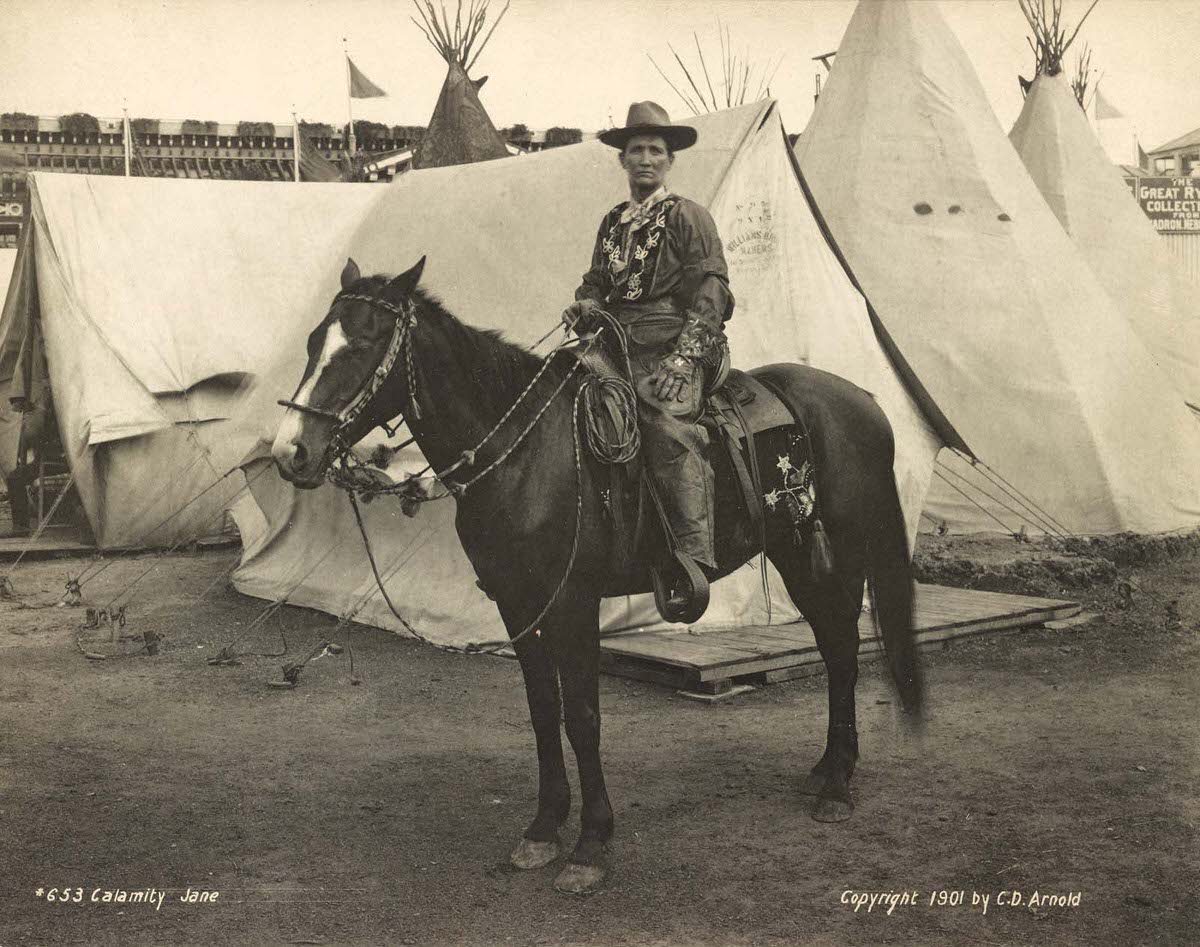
(820, 552)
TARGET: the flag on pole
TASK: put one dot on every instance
(1105, 109)
(360, 86)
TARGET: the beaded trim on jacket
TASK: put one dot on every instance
(632, 273)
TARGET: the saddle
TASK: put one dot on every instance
(734, 413)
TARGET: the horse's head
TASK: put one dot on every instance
(344, 392)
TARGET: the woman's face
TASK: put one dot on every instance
(646, 160)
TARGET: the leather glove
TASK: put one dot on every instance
(583, 315)
(674, 377)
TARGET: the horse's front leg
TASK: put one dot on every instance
(574, 635)
(541, 845)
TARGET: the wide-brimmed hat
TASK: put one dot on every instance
(650, 118)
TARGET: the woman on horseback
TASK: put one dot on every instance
(658, 268)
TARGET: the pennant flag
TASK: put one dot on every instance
(360, 86)
(1105, 109)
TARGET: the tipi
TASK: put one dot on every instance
(999, 324)
(1089, 197)
(460, 131)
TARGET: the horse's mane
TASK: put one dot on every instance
(497, 368)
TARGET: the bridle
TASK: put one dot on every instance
(400, 343)
(342, 469)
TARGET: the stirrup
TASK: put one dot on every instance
(687, 599)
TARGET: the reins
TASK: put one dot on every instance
(347, 474)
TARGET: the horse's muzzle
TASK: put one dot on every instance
(297, 465)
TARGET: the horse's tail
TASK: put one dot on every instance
(892, 582)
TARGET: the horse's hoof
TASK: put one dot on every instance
(580, 879)
(832, 810)
(530, 855)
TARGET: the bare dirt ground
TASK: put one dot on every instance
(382, 813)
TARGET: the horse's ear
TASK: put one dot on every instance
(350, 273)
(407, 281)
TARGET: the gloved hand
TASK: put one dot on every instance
(583, 315)
(674, 377)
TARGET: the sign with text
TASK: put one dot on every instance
(1172, 204)
(11, 208)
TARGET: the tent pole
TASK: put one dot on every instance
(295, 146)
(349, 100)
(126, 134)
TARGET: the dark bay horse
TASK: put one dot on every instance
(387, 349)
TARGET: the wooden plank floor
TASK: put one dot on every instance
(710, 660)
(68, 542)
(50, 542)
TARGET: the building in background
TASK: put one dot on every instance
(1179, 158)
(239, 151)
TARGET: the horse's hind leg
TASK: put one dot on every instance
(832, 607)
(541, 844)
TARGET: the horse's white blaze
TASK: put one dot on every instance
(289, 430)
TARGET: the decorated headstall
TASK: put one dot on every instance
(400, 342)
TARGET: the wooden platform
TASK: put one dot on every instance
(52, 542)
(712, 661)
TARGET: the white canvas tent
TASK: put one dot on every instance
(153, 302)
(506, 243)
(999, 324)
(8, 259)
(1091, 200)
(8, 430)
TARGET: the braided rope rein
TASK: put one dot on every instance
(348, 474)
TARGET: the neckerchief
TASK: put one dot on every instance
(637, 214)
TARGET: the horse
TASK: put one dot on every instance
(387, 348)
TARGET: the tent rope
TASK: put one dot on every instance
(1026, 500)
(970, 499)
(996, 500)
(228, 656)
(179, 542)
(37, 533)
(85, 576)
